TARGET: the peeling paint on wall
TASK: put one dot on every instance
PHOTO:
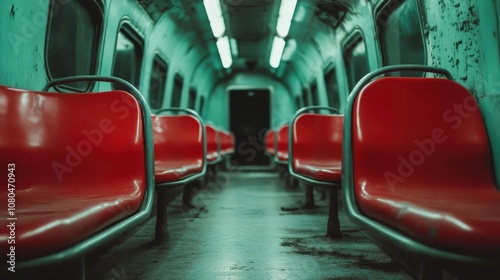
(22, 31)
(452, 38)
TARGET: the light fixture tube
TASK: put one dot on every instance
(277, 51)
(225, 52)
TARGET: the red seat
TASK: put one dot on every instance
(422, 164)
(227, 143)
(317, 147)
(282, 144)
(178, 147)
(213, 137)
(79, 166)
(270, 142)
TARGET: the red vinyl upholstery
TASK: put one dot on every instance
(213, 138)
(317, 146)
(270, 149)
(282, 143)
(422, 163)
(79, 165)
(178, 147)
(227, 143)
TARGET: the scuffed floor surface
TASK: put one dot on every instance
(241, 233)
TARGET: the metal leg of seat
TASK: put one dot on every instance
(187, 195)
(161, 232)
(309, 197)
(333, 227)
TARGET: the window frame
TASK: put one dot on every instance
(132, 33)
(201, 105)
(298, 101)
(193, 97)
(98, 6)
(176, 97)
(160, 60)
(313, 89)
(380, 11)
(348, 45)
(305, 97)
(332, 69)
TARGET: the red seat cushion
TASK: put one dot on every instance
(422, 163)
(173, 170)
(178, 147)
(317, 146)
(79, 165)
(282, 141)
(212, 144)
(270, 149)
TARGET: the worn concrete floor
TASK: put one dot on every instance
(241, 233)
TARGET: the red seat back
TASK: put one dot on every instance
(282, 143)
(421, 134)
(232, 143)
(79, 164)
(318, 139)
(270, 149)
(178, 138)
(64, 142)
(213, 137)
(227, 143)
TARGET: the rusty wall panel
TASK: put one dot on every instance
(452, 38)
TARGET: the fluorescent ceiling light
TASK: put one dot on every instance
(277, 51)
(285, 16)
(218, 27)
(283, 27)
(225, 52)
(214, 13)
(213, 9)
(234, 47)
(287, 8)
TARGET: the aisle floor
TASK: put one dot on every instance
(240, 232)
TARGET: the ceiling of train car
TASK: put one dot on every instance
(156, 8)
(251, 26)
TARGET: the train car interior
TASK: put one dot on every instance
(250, 139)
